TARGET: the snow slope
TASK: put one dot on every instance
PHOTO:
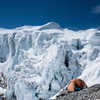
(40, 60)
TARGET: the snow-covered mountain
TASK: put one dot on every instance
(38, 61)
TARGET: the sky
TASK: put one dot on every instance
(74, 14)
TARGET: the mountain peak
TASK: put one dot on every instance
(50, 25)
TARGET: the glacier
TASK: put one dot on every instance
(38, 61)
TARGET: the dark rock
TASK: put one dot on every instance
(91, 93)
(3, 81)
(41, 99)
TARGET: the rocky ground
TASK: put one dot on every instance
(91, 93)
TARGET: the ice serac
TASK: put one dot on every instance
(38, 61)
(38, 67)
(95, 39)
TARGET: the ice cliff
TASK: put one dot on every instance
(38, 61)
